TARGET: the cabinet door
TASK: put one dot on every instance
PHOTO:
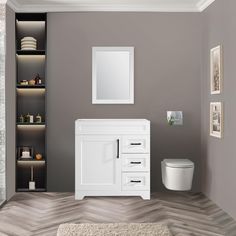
(98, 164)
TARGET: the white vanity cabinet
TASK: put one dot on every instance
(112, 157)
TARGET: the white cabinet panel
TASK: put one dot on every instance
(99, 167)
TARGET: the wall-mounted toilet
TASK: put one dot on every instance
(177, 174)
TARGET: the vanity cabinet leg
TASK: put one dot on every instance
(79, 196)
(146, 196)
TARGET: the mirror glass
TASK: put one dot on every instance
(113, 75)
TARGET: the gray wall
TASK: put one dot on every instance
(218, 155)
(167, 77)
(10, 101)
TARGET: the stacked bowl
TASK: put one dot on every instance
(28, 43)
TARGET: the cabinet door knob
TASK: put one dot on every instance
(135, 181)
(118, 148)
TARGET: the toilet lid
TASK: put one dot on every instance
(178, 163)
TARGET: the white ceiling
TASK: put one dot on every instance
(109, 5)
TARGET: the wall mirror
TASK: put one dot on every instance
(113, 75)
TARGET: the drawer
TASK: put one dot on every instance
(136, 162)
(135, 181)
(136, 144)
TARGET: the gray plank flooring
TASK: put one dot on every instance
(186, 214)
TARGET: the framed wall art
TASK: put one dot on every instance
(216, 67)
(216, 119)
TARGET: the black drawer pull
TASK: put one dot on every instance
(135, 181)
(135, 162)
(135, 144)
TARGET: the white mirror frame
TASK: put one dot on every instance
(95, 100)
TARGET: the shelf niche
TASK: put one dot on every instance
(31, 99)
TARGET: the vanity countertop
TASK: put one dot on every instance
(110, 126)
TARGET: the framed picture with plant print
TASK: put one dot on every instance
(216, 119)
(216, 70)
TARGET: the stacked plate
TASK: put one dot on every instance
(28, 43)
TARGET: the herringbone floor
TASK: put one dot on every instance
(40, 214)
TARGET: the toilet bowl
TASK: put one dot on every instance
(177, 174)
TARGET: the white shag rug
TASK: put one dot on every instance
(117, 229)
